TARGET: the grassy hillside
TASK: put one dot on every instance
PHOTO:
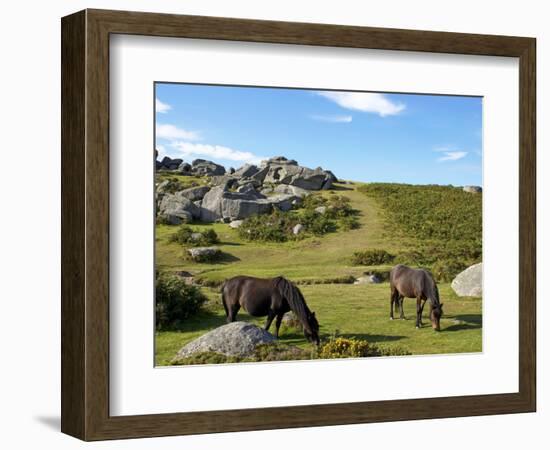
(360, 311)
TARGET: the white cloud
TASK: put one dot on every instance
(162, 107)
(365, 102)
(172, 132)
(333, 119)
(452, 156)
(191, 150)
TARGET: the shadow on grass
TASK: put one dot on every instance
(340, 187)
(372, 337)
(466, 322)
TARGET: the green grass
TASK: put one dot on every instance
(360, 311)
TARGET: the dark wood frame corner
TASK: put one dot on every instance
(85, 224)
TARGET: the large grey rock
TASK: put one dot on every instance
(468, 283)
(472, 189)
(289, 172)
(246, 171)
(220, 203)
(204, 167)
(178, 205)
(195, 193)
(233, 339)
(283, 202)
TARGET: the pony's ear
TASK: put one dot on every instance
(441, 305)
(312, 313)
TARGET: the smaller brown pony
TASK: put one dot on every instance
(271, 297)
(419, 284)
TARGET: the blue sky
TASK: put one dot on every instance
(404, 138)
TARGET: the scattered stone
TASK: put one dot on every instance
(468, 283)
(321, 209)
(472, 189)
(297, 229)
(368, 279)
(233, 339)
(201, 254)
(235, 223)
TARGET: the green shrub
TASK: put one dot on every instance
(371, 257)
(443, 223)
(317, 224)
(175, 300)
(281, 352)
(185, 235)
(206, 358)
(274, 227)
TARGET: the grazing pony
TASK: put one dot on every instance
(271, 297)
(419, 284)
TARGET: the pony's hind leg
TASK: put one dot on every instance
(394, 297)
(232, 312)
(401, 311)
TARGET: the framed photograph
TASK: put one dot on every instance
(273, 225)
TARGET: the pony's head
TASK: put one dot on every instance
(311, 329)
(435, 315)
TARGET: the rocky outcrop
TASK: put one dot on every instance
(276, 183)
(469, 282)
(233, 339)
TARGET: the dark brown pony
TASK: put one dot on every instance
(271, 297)
(419, 284)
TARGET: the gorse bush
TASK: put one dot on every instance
(371, 257)
(344, 348)
(336, 347)
(175, 300)
(185, 235)
(278, 226)
(444, 224)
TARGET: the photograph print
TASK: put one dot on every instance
(306, 224)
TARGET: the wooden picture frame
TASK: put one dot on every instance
(85, 224)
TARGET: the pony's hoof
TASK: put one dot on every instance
(417, 327)
(391, 318)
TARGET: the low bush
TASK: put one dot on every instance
(185, 235)
(371, 257)
(175, 301)
(274, 227)
(317, 224)
(349, 223)
(345, 348)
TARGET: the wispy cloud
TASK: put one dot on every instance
(450, 153)
(172, 132)
(333, 119)
(162, 107)
(452, 156)
(192, 150)
(365, 102)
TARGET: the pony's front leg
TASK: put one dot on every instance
(270, 318)
(422, 311)
(418, 313)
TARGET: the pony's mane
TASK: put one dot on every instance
(294, 298)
